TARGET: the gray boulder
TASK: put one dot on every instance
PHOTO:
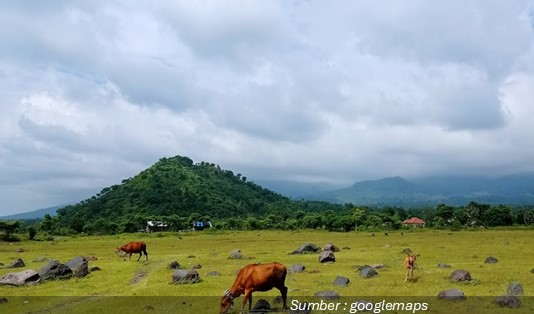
(235, 254)
(331, 247)
(306, 248)
(341, 281)
(16, 264)
(327, 295)
(25, 277)
(451, 294)
(181, 276)
(491, 260)
(297, 268)
(460, 275)
(367, 271)
(261, 306)
(76, 262)
(55, 270)
(327, 256)
(515, 288)
(82, 270)
(509, 301)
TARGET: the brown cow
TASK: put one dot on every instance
(134, 247)
(409, 265)
(255, 277)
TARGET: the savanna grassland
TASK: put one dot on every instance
(113, 287)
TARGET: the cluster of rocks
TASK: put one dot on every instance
(76, 267)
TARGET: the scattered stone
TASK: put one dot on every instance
(367, 271)
(174, 265)
(327, 256)
(331, 247)
(82, 270)
(55, 270)
(94, 268)
(20, 250)
(341, 281)
(451, 294)
(76, 262)
(509, 301)
(213, 273)
(16, 264)
(297, 268)
(407, 251)
(377, 266)
(532, 270)
(148, 307)
(261, 306)
(460, 275)
(41, 260)
(91, 258)
(491, 260)
(515, 288)
(3, 300)
(306, 248)
(235, 254)
(327, 295)
(442, 265)
(25, 277)
(181, 276)
(191, 256)
(345, 248)
(197, 266)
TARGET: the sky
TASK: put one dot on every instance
(93, 92)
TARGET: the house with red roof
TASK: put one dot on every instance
(415, 222)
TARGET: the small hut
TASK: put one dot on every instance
(155, 226)
(414, 222)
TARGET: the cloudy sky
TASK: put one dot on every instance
(94, 92)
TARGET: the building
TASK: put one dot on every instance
(155, 226)
(414, 222)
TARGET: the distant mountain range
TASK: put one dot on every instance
(432, 191)
(392, 191)
(39, 213)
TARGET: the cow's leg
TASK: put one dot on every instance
(130, 257)
(146, 255)
(283, 291)
(247, 298)
(140, 254)
(407, 273)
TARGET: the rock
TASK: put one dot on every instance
(235, 254)
(515, 288)
(55, 270)
(196, 266)
(367, 271)
(20, 250)
(341, 281)
(331, 247)
(509, 301)
(213, 273)
(460, 275)
(407, 251)
(94, 268)
(16, 264)
(174, 265)
(76, 262)
(327, 295)
(3, 300)
(82, 270)
(306, 248)
(327, 256)
(451, 294)
(296, 268)
(491, 260)
(25, 277)
(181, 276)
(442, 265)
(377, 266)
(261, 306)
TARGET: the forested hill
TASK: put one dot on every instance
(176, 187)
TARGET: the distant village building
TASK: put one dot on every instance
(155, 226)
(414, 222)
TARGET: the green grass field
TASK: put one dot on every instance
(114, 287)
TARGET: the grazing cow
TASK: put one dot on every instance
(134, 247)
(409, 265)
(255, 277)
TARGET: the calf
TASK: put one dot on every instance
(133, 247)
(255, 277)
(409, 265)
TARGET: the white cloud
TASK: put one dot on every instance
(297, 90)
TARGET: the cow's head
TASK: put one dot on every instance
(227, 301)
(119, 249)
(410, 260)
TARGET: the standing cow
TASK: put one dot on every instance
(133, 247)
(409, 265)
(255, 277)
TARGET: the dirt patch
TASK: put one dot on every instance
(137, 277)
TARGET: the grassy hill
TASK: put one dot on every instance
(176, 187)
